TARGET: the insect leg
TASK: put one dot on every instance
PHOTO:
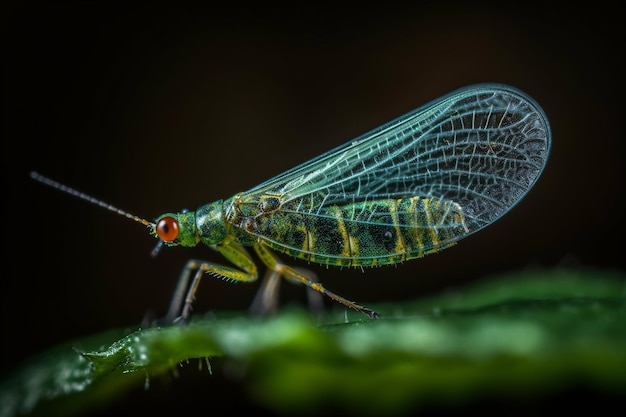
(176, 303)
(275, 264)
(266, 299)
(314, 298)
(180, 307)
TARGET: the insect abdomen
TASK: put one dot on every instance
(376, 232)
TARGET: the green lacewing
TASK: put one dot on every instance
(411, 187)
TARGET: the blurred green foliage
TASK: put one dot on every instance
(512, 337)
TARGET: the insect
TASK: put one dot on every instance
(411, 187)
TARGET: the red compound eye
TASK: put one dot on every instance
(167, 229)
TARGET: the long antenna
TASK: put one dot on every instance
(61, 187)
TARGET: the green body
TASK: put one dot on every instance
(371, 233)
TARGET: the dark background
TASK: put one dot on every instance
(157, 107)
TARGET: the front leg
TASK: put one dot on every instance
(184, 295)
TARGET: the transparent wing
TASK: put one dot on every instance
(482, 147)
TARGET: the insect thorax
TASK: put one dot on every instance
(210, 225)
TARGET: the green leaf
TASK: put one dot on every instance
(521, 336)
